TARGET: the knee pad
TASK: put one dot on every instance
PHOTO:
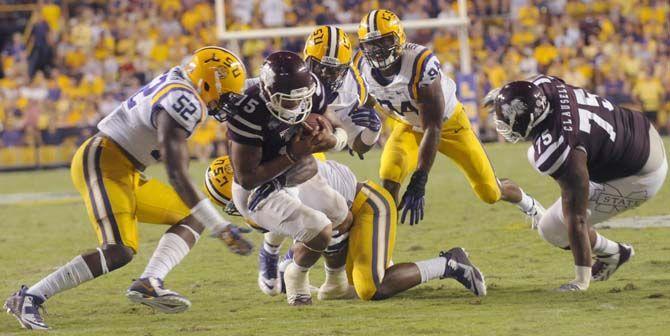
(312, 226)
(115, 256)
(488, 193)
(554, 232)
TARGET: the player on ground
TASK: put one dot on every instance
(328, 54)
(362, 256)
(605, 158)
(151, 125)
(271, 151)
(407, 80)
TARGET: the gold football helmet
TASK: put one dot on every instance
(328, 54)
(218, 184)
(218, 76)
(382, 38)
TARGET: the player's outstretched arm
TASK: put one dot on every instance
(172, 138)
(574, 183)
(431, 114)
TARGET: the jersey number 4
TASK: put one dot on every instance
(586, 101)
(405, 107)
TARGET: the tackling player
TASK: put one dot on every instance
(362, 256)
(271, 150)
(150, 126)
(606, 159)
(407, 80)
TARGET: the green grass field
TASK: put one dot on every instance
(521, 270)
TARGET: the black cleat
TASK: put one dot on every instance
(462, 270)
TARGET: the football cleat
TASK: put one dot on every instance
(535, 214)
(462, 270)
(606, 265)
(286, 260)
(336, 288)
(25, 308)
(570, 287)
(268, 274)
(150, 292)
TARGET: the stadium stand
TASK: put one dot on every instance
(66, 64)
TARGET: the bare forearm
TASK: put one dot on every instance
(176, 164)
(428, 148)
(574, 208)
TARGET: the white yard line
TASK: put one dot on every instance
(636, 223)
(39, 198)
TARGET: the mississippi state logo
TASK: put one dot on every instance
(609, 199)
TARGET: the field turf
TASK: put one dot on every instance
(521, 271)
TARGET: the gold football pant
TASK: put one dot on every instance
(117, 196)
(458, 142)
(371, 239)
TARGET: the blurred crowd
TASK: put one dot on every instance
(73, 62)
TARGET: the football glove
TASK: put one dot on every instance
(352, 152)
(413, 199)
(366, 117)
(231, 235)
(265, 190)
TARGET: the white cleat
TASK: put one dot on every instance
(25, 308)
(336, 287)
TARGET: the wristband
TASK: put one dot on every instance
(340, 139)
(205, 213)
(369, 137)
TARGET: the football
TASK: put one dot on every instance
(316, 123)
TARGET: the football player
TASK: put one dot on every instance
(150, 126)
(407, 80)
(361, 256)
(271, 151)
(606, 159)
(328, 54)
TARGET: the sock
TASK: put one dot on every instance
(335, 276)
(272, 249)
(526, 203)
(170, 251)
(582, 277)
(272, 242)
(432, 268)
(604, 246)
(296, 279)
(68, 276)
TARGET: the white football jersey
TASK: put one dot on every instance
(419, 67)
(340, 178)
(350, 95)
(133, 126)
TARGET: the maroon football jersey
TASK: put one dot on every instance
(253, 124)
(615, 139)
